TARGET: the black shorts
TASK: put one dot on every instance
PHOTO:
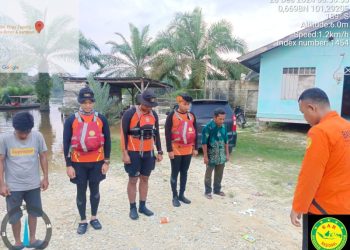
(32, 199)
(88, 171)
(140, 165)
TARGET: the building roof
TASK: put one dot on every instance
(125, 82)
(252, 59)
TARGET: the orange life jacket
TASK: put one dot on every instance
(141, 131)
(183, 131)
(87, 140)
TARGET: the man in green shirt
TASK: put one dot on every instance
(216, 151)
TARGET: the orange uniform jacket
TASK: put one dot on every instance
(129, 120)
(71, 155)
(325, 171)
(171, 123)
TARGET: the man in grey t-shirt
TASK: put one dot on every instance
(20, 153)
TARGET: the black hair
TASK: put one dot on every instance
(315, 95)
(219, 111)
(23, 121)
(186, 97)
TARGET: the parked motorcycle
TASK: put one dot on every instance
(240, 117)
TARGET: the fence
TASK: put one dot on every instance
(237, 93)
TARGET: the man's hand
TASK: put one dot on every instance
(195, 153)
(4, 190)
(171, 155)
(71, 172)
(159, 157)
(206, 160)
(105, 168)
(295, 218)
(44, 184)
(227, 158)
(126, 158)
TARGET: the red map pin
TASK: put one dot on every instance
(39, 25)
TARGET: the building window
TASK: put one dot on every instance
(347, 71)
(296, 80)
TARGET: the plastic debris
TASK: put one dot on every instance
(249, 211)
(164, 220)
(249, 238)
(214, 229)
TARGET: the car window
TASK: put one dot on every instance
(206, 110)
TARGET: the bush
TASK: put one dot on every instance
(17, 90)
(104, 104)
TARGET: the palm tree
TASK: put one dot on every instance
(89, 52)
(129, 58)
(188, 49)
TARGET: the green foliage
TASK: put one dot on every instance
(14, 79)
(235, 70)
(191, 50)
(104, 104)
(43, 90)
(57, 86)
(129, 58)
(89, 52)
(13, 90)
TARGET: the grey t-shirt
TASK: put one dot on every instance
(22, 170)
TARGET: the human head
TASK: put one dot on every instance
(219, 116)
(184, 102)
(147, 100)
(23, 122)
(86, 99)
(314, 104)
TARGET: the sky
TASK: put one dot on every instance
(258, 22)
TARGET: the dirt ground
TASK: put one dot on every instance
(220, 223)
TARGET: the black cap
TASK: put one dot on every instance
(23, 121)
(186, 97)
(86, 94)
(147, 98)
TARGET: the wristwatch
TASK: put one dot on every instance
(160, 152)
(107, 162)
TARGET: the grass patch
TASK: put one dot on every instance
(272, 157)
(270, 146)
(116, 150)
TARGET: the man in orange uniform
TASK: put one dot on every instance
(139, 135)
(181, 142)
(87, 147)
(324, 180)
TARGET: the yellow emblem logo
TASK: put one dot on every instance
(91, 133)
(329, 233)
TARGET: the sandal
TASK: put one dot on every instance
(96, 224)
(19, 247)
(209, 196)
(82, 228)
(38, 244)
(220, 193)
